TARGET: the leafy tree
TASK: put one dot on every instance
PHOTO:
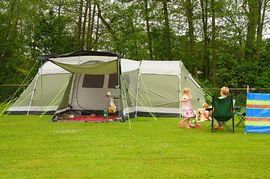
(220, 42)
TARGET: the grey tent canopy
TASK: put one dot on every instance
(79, 81)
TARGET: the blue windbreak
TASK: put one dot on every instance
(258, 96)
(258, 129)
(253, 112)
(259, 113)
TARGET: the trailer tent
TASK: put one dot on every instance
(139, 87)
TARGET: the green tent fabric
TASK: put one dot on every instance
(80, 82)
(159, 86)
(44, 93)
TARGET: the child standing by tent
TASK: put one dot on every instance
(187, 109)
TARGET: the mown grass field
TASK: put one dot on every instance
(34, 147)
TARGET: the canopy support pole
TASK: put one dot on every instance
(33, 92)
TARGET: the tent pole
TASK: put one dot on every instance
(137, 90)
(35, 87)
(124, 99)
(71, 93)
(122, 90)
(33, 92)
(180, 87)
(245, 123)
(134, 96)
(119, 84)
(41, 91)
(137, 94)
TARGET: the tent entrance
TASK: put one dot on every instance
(89, 95)
(90, 92)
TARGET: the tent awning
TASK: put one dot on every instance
(51, 68)
(88, 64)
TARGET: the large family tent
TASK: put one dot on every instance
(79, 82)
(155, 87)
(44, 93)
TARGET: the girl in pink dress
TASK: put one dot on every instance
(187, 109)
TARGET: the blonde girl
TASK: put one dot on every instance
(187, 109)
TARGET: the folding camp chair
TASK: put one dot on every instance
(241, 116)
(223, 112)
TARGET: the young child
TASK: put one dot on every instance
(187, 109)
(202, 114)
(206, 112)
(224, 92)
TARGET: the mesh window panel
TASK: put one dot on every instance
(93, 81)
(113, 80)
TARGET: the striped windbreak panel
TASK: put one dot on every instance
(258, 113)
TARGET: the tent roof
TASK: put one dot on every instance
(82, 60)
(50, 68)
(78, 53)
(86, 62)
(97, 62)
(129, 65)
(161, 67)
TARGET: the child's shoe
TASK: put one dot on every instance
(197, 126)
(181, 124)
(188, 126)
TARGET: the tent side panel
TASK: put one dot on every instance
(50, 89)
(65, 100)
(131, 79)
(24, 99)
(187, 81)
(129, 83)
(47, 95)
(158, 92)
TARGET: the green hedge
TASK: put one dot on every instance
(7, 92)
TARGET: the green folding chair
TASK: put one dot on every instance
(241, 116)
(222, 112)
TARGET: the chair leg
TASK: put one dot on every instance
(227, 126)
(241, 118)
(233, 123)
(212, 126)
(241, 121)
(238, 123)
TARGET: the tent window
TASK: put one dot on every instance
(113, 80)
(93, 81)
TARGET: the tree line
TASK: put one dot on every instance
(220, 42)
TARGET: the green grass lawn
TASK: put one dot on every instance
(34, 147)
